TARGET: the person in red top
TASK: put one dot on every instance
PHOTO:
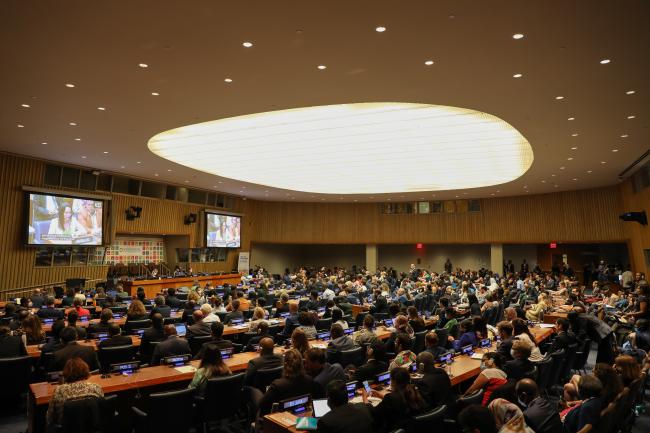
(81, 311)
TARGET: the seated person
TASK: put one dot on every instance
(640, 338)
(235, 313)
(319, 369)
(477, 419)
(259, 314)
(508, 416)
(337, 317)
(519, 367)
(154, 334)
(105, 318)
(136, 311)
(266, 359)
(172, 345)
(283, 306)
(262, 332)
(535, 312)
(491, 376)
(294, 382)
(115, 338)
(216, 330)
(11, 346)
(299, 341)
(306, 324)
(71, 349)
(73, 316)
(160, 307)
(504, 329)
(415, 321)
(539, 414)
(564, 337)
(208, 314)
(587, 413)
(367, 334)
(467, 336)
(171, 299)
(75, 386)
(32, 330)
(375, 364)
(432, 345)
(404, 356)
(48, 311)
(199, 328)
(339, 341)
(434, 385)
(212, 365)
(344, 416)
(77, 305)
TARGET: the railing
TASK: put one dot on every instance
(48, 288)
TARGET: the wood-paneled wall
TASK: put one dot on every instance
(638, 236)
(575, 216)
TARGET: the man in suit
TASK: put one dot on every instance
(505, 330)
(434, 385)
(104, 322)
(234, 314)
(153, 334)
(48, 311)
(564, 337)
(172, 300)
(375, 364)
(319, 369)
(172, 345)
(160, 307)
(267, 359)
(539, 413)
(216, 330)
(199, 328)
(115, 338)
(72, 349)
(344, 417)
(519, 366)
(37, 299)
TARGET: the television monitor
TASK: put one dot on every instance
(383, 378)
(56, 219)
(222, 231)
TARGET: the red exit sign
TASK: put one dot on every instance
(552, 245)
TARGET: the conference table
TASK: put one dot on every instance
(157, 378)
(153, 287)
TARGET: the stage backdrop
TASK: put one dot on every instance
(136, 250)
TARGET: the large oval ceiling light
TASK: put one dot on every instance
(365, 148)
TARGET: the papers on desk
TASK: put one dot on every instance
(319, 345)
(477, 355)
(242, 326)
(372, 400)
(185, 369)
(546, 325)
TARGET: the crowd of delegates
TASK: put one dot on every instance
(468, 306)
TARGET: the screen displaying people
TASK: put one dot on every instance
(60, 220)
(223, 231)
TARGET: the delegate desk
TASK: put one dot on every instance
(154, 287)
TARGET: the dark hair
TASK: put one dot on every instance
(337, 393)
(315, 354)
(337, 314)
(72, 317)
(466, 325)
(498, 359)
(505, 327)
(113, 329)
(589, 386)
(369, 321)
(612, 383)
(563, 323)
(400, 380)
(157, 321)
(235, 305)
(75, 370)
(68, 334)
(472, 299)
(336, 331)
(213, 362)
(216, 328)
(304, 319)
(431, 339)
(171, 291)
(450, 313)
(106, 315)
(378, 350)
(519, 326)
(477, 417)
(403, 341)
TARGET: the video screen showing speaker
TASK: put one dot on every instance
(64, 220)
(223, 231)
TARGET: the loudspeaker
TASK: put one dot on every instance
(190, 219)
(133, 213)
(639, 217)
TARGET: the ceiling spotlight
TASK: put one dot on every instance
(247, 44)
(169, 169)
(575, 134)
(517, 76)
(574, 148)
(187, 181)
(83, 156)
(559, 97)
(555, 186)
(101, 108)
(543, 181)
(105, 152)
(121, 166)
(156, 174)
(155, 94)
(571, 118)
(45, 142)
(624, 136)
(562, 168)
(70, 85)
(24, 105)
(605, 61)
(569, 158)
(552, 175)
(72, 124)
(603, 162)
(20, 126)
(614, 150)
(630, 92)
(589, 171)
(143, 65)
(575, 178)
(228, 80)
(322, 67)
(429, 62)
(517, 36)
(631, 117)
(77, 139)
(380, 29)
(139, 162)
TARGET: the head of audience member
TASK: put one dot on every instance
(206, 310)
(259, 313)
(493, 360)
(68, 335)
(113, 330)
(266, 346)
(337, 314)
(197, 316)
(519, 326)
(400, 383)
(170, 330)
(141, 297)
(393, 309)
(377, 351)
(216, 330)
(106, 315)
(402, 342)
(476, 419)
(293, 308)
(336, 331)
(57, 327)
(611, 381)
(212, 360)
(628, 368)
(412, 313)
(450, 313)
(426, 362)
(369, 322)
(299, 340)
(157, 321)
(337, 394)
(466, 326)
(589, 386)
(527, 391)
(315, 359)
(171, 291)
(510, 313)
(235, 305)
(563, 324)
(521, 349)
(49, 301)
(431, 340)
(136, 308)
(304, 319)
(77, 303)
(479, 325)
(507, 416)
(75, 370)
(73, 316)
(159, 301)
(293, 364)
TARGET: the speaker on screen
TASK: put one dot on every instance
(639, 217)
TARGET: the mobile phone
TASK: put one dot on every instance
(366, 386)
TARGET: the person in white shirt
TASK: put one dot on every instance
(328, 294)
(208, 315)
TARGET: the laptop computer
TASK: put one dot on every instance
(383, 378)
(320, 407)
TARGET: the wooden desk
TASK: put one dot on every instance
(153, 287)
(356, 309)
(121, 321)
(553, 316)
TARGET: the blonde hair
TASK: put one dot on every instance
(137, 307)
(293, 366)
(259, 313)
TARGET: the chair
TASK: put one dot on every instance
(568, 361)
(115, 355)
(146, 355)
(544, 373)
(171, 320)
(359, 319)
(265, 376)
(119, 309)
(88, 415)
(324, 324)
(467, 400)
(15, 375)
(443, 336)
(222, 400)
(558, 359)
(179, 404)
(356, 357)
(130, 325)
(581, 357)
(198, 341)
(419, 341)
(430, 421)
(273, 330)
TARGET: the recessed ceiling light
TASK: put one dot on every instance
(155, 94)
(228, 80)
(139, 162)
(70, 85)
(575, 134)
(575, 178)
(631, 117)
(187, 181)
(574, 148)
(20, 126)
(571, 118)
(220, 182)
(603, 162)
(517, 36)
(169, 169)
(569, 159)
(517, 76)
(380, 29)
(589, 171)
(562, 168)
(356, 200)
(559, 97)
(101, 108)
(498, 190)
(45, 142)
(543, 181)
(143, 65)
(614, 150)
(492, 194)
(630, 92)
(105, 152)
(555, 186)
(155, 174)
(322, 199)
(72, 124)
(322, 67)
(605, 61)
(83, 156)
(247, 44)
(24, 105)
(624, 136)
(121, 166)
(77, 139)
(552, 175)
(429, 62)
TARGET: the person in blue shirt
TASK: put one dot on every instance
(467, 335)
